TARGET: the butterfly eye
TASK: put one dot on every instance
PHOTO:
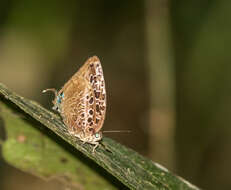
(60, 97)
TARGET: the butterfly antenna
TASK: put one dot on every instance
(117, 131)
(52, 90)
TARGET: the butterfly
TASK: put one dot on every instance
(82, 102)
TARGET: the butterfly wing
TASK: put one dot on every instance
(95, 78)
(84, 102)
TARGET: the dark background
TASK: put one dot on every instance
(167, 71)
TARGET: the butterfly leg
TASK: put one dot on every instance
(84, 142)
(96, 145)
(82, 138)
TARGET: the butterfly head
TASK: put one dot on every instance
(59, 96)
(57, 101)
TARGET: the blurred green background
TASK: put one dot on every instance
(167, 70)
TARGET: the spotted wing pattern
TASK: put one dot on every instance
(83, 105)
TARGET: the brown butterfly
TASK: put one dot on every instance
(82, 102)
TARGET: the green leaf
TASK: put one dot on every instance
(29, 148)
(35, 149)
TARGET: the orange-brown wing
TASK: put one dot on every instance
(73, 105)
(84, 103)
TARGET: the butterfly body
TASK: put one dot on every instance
(82, 102)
